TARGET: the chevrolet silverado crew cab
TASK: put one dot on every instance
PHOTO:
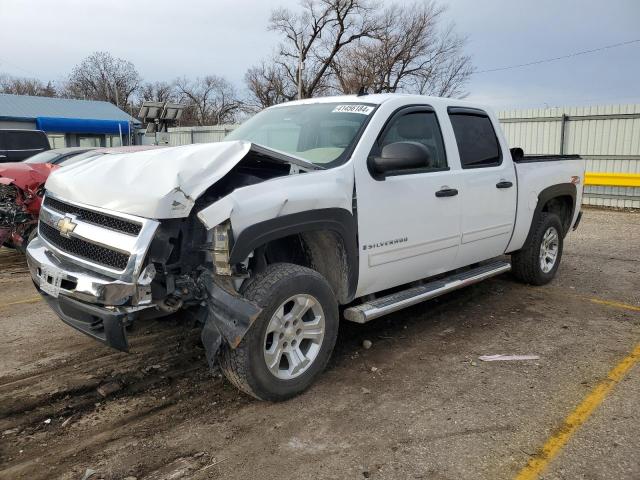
(315, 210)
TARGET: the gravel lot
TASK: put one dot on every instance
(419, 404)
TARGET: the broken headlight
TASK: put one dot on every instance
(221, 247)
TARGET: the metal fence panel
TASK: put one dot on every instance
(607, 136)
(207, 134)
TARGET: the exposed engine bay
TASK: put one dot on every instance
(191, 263)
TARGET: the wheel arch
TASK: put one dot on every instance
(559, 199)
(328, 241)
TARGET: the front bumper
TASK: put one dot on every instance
(82, 284)
(96, 305)
(102, 324)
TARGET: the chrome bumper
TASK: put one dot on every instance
(96, 305)
(82, 284)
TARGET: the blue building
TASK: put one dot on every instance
(69, 123)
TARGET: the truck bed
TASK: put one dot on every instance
(544, 158)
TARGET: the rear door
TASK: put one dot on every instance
(488, 193)
(407, 229)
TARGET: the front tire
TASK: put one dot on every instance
(292, 339)
(538, 262)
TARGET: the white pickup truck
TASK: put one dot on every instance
(340, 207)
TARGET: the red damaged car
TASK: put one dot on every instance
(22, 188)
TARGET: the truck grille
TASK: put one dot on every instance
(100, 219)
(86, 250)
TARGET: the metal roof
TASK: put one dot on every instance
(24, 107)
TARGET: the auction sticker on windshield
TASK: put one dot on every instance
(363, 109)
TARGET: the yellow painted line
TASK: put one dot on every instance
(582, 412)
(612, 179)
(610, 303)
(21, 302)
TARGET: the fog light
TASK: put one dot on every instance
(221, 243)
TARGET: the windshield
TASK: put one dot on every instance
(44, 157)
(321, 133)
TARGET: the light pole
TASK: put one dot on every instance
(300, 67)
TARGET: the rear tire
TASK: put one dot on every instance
(538, 262)
(292, 339)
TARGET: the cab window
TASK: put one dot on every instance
(477, 142)
(416, 126)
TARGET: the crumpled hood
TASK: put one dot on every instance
(162, 183)
(26, 176)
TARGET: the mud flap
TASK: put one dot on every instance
(228, 317)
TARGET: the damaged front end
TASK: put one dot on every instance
(226, 316)
(21, 191)
(193, 274)
(102, 269)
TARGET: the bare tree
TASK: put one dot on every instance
(211, 100)
(26, 86)
(313, 37)
(103, 77)
(268, 85)
(410, 52)
(349, 44)
(158, 92)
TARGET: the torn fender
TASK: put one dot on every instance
(246, 206)
(228, 316)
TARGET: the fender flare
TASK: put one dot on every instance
(337, 220)
(559, 190)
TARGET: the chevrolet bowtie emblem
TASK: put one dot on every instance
(66, 226)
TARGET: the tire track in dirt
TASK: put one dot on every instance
(12, 264)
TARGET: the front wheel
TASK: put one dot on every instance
(292, 339)
(538, 262)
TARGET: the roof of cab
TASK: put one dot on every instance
(380, 98)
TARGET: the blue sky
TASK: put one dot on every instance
(165, 39)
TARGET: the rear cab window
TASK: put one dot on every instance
(476, 138)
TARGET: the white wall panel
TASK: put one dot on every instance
(610, 143)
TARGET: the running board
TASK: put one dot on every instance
(406, 298)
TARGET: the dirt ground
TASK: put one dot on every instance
(418, 405)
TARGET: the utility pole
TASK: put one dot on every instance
(300, 67)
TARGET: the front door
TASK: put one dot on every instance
(408, 222)
(488, 194)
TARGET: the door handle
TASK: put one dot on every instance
(447, 192)
(504, 184)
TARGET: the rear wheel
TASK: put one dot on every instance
(291, 341)
(538, 262)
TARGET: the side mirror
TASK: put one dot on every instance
(401, 156)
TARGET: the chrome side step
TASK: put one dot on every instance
(406, 298)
